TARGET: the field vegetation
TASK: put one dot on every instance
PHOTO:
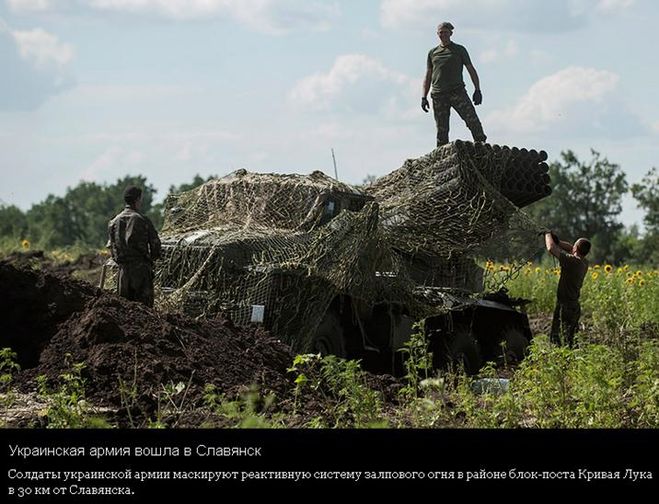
(609, 379)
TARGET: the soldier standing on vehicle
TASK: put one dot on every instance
(574, 266)
(444, 72)
(134, 244)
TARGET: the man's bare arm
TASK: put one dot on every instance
(567, 246)
(426, 81)
(552, 246)
(474, 76)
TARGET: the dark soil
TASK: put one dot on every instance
(46, 317)
(37, 259)
(32, 305)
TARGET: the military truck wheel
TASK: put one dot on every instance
(464, 351)
(516, 345)
(328, 338)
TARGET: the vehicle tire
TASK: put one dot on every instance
(329, 339)
(464, 351)
(516, 345)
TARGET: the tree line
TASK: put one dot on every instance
(81, 216)
(586, 201)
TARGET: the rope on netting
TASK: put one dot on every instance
(294, 242)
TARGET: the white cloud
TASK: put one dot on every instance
(29, 5)
(268, 16)
(518, 15)
(43, 49)
(355, 82)
(508, 51)
(655, 127)
(574, 101)
(614, 5)
(35, 66)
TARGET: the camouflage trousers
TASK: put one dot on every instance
(459, 100)
(565, 323)
(135, 282)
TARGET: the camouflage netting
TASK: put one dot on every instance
(457, 197)
(458, 202)
(287, 245)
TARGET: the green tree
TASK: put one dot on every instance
(148, 193)
(586, 201)
(96, 204)
(51, 223)
(81, 216)
(627, 247)
(647, 195)
(159, 208)
(13, 222)
(196, 182)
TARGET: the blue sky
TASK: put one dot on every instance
(97, 89)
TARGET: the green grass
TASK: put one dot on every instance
(612, 298)
(61, 255)
(609, 380)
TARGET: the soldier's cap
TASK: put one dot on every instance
(132, 194)
(446, 25)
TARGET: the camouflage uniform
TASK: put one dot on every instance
(568, 310)
(459, 100)
(135, 244)
(448, 90)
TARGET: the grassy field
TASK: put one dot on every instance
(609, 380)
(614, 299)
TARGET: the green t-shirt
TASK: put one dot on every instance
(446, 63)
(573, 272)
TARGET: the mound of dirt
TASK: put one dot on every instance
(32, 305)
(84, 267)
(46, 317)
(37, 259)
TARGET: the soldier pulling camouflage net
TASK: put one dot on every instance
(330, 268)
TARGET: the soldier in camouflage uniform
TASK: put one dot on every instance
(574, 267)
(135, 244)
(444, 72)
